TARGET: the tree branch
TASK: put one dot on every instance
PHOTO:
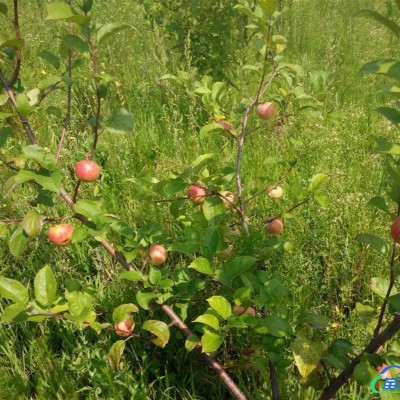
(372, 346)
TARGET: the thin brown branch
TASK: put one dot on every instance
(48, 90)
(19, 51)
(11, 97)
(274, 381)
(371, 347)
(96, 126)
(233, 388)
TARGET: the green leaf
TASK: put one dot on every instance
(80, 306)
(133, 276)
(386, 147)
(33, 223)
(234, 268)
(45, 286)
(386, 67)
(380, 203)
(375, 242)
(210, 128)
(322, 199)
(5, 133)
(50, 58)
(201, 162)
(202, 265)
(13, 290)
(159, 329)
(392, 114)
(191, 342)
(49, 181)
(73, 42)
(23, 106)
(59, 10)
(175, 185)
(389, 90)
(110, 29)
(209, 320)
(40, 155)
(121, 121)
(122, 312)
(307, 356)
(213, 209)
(6, 115)
(394, 303)
(154, 276)
(123, 229)
(380, 286)
(115, 354)
(14, 43)
(3, 9)
(274, 326)
(268, 7)
(316, 181)
(210, 341)
(371, 14)
(209, 241)
(364, 373)
(221, 306)
(144, 298)
(18, 242)
(14, 311)
(88, 208)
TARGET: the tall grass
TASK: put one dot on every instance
(327, 269)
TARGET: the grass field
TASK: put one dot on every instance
(327, 269)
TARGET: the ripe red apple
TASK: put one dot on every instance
(196, 194)
(125, 328)
(87, 170)
(60, 234)
(228, 198)
(274, 226)
(395, 230)
(276, 192)
(157, 254)
(266, 110)
(227, 128)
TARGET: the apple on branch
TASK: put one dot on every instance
(157, 254)
(196, 194)
(124, 328)
(60, 234)
(275, 192)
(274, 226)
(87, 170)
(266, 110)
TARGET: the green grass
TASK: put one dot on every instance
(327, 270)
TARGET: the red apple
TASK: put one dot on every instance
(157, 254)
(266, 110)
(125, 328)
(395, 230)
(276, 192)
(274, 226)
(60, 234)
(87, 170)
(196, 194)
(228, 198)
